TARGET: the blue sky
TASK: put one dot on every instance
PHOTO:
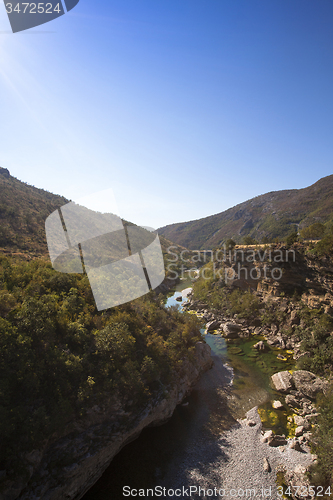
(183, 107)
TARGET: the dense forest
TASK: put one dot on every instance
(59, 356)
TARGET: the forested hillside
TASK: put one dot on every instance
(265, 217)
(23, 210)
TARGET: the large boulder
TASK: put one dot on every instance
(267, 436)
(308, 383)
(282, 381)
(266, 464)
(299, 431)
(277, 405)
(273, 341)
(302, 422)
(273, 439)
(231, 330)
(294, 444)
(212, 325)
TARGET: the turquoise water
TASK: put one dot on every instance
(177, 293)
(172, 300)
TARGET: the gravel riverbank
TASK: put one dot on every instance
(234, 463)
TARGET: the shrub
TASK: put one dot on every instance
(247, 240)
(324, 246)
(313, 232)
(291, 238)
(321, 473)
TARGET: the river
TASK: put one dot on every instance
(166, 454)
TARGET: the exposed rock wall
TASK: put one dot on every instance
(68, 467)
(273, 269)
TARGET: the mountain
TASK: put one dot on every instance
(274, 215)
(23, 210)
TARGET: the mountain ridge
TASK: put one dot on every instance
(273, 215)
(23, 211)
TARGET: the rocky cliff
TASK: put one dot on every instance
(275, 270)
(70, 464)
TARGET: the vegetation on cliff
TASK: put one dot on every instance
(59, 356)
(322, 471)
(217, 295)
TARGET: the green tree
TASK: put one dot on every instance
(247, 240)
(291, 238)
(322, 471)
(325, 245)
(313, 232)
(230, 244)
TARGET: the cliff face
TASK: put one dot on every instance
(276, 269)
(71, 464)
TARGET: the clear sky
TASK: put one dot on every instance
(183, 107)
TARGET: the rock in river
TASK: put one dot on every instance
(212, 325)
(308, 383)
(260, 346)
(282, 381)
(231, 330)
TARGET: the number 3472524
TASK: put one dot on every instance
(32, 8)
(304, 491)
